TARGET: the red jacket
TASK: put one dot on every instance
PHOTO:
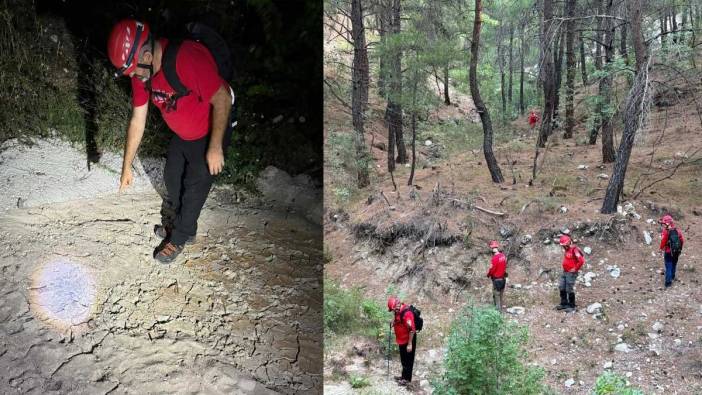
(533, 118)
(402, 331)
(498, 266)
(573, 259)
(664, 239)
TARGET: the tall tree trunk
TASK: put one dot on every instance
(664, 31)
(583, 65)
(547, 75)
(511, 51)
(360, 71)
(395, 84)
(622, 44)
(606, 88)
(570, 70)
(414, 120)
(634, 112)
(447, 101)
(501, 65)
(558, 62)
(599, 37)
(522, 50)
(382, 61)
(494, 168)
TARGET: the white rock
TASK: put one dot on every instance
(602, 176)
(428, 143)
(608, 365)
(629, 374)
(622, 347)
(582, 167)
(677, 342)
(553, 361)
(594, 308)
(516, 310)
(655, 348)
(647, 238)
(620, 327)
(653, 335)
(569, 383)
(589, 276)
(563, 209)
(278, 118)
(657, 326)
(587, 250)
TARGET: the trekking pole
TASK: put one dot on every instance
(387, 351)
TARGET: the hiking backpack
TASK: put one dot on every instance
(674, 242)
(418, 320)
(212, 41)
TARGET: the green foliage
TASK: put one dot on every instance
(340, 157)
(358, 381)
(348, 312)
(612, 384)
(486, 355)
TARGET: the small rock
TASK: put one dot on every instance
(565, 231)
(196, 255)
(647, 238)
(54, 38)
(657, 326)
(608, 365)
(653, 335)
(622, 347)
(620, 327)
(582, 167)
(526, 239)
(547, 241)
(628, 374)
(302, 119)
(278, 119)
(428, 143)
(587, 250)
(563, 209)
(677, 342)
(589, 276)
(516, 310)
(594, 308)
(163, 318)
(614, 271)
(602, 176)
(569, 383)
(517, 286)
(655, 348)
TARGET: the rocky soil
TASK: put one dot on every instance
(86, 310)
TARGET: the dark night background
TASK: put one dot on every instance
(277, 56)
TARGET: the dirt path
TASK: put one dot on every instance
(86, 310)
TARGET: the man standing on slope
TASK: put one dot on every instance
(533, 119)
(199, 117)
(671, 244)
(573, 260)
(405, 337)
(497, 274)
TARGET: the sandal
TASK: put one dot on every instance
(167, 252)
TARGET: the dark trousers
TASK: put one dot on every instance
(188, 182)
(407, 359)
(671, 263)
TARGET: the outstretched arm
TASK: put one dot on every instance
(135, 132)
(221, 107)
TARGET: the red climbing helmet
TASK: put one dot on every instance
(125, 42)
(564, 240)
(494, 244)
(666, 219)
(392, 302)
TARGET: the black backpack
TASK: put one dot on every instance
(215, 44)
(418, 320)
(674, 242)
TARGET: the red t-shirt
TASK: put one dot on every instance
(198, 71)
(498, 266)
(664, 239)
(402, 330)
(573, 259)
(533, 118)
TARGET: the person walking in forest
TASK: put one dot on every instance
(185, 82)
(405, 325)
(533, 119)
(573, 260)
(497, 273)
(671, 244)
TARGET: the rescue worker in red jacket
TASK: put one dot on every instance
(671, 244)
(405, 337)
(497, 273)
(533, 119)
(573, 260)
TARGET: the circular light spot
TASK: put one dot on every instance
(62, 293)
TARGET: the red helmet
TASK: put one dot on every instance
(666, 219)
(564, 240)
(392, 302)
(494, 244)
(125, 42)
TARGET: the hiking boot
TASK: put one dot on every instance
(571, 300)
(164, 232)
(167, 252)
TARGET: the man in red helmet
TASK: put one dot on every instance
(497, 273)
(671, 244)
(405, 337)
(199, 118)
(573, 260)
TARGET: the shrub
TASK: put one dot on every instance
(347, 312)
(359, 381)
(486, 355)
(612, 384)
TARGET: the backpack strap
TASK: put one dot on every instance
(169, 70)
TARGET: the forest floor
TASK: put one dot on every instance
(428, 243)
(86, 309)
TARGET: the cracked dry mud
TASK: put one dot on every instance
(85, 309)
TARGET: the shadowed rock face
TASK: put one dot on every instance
(85, 309)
